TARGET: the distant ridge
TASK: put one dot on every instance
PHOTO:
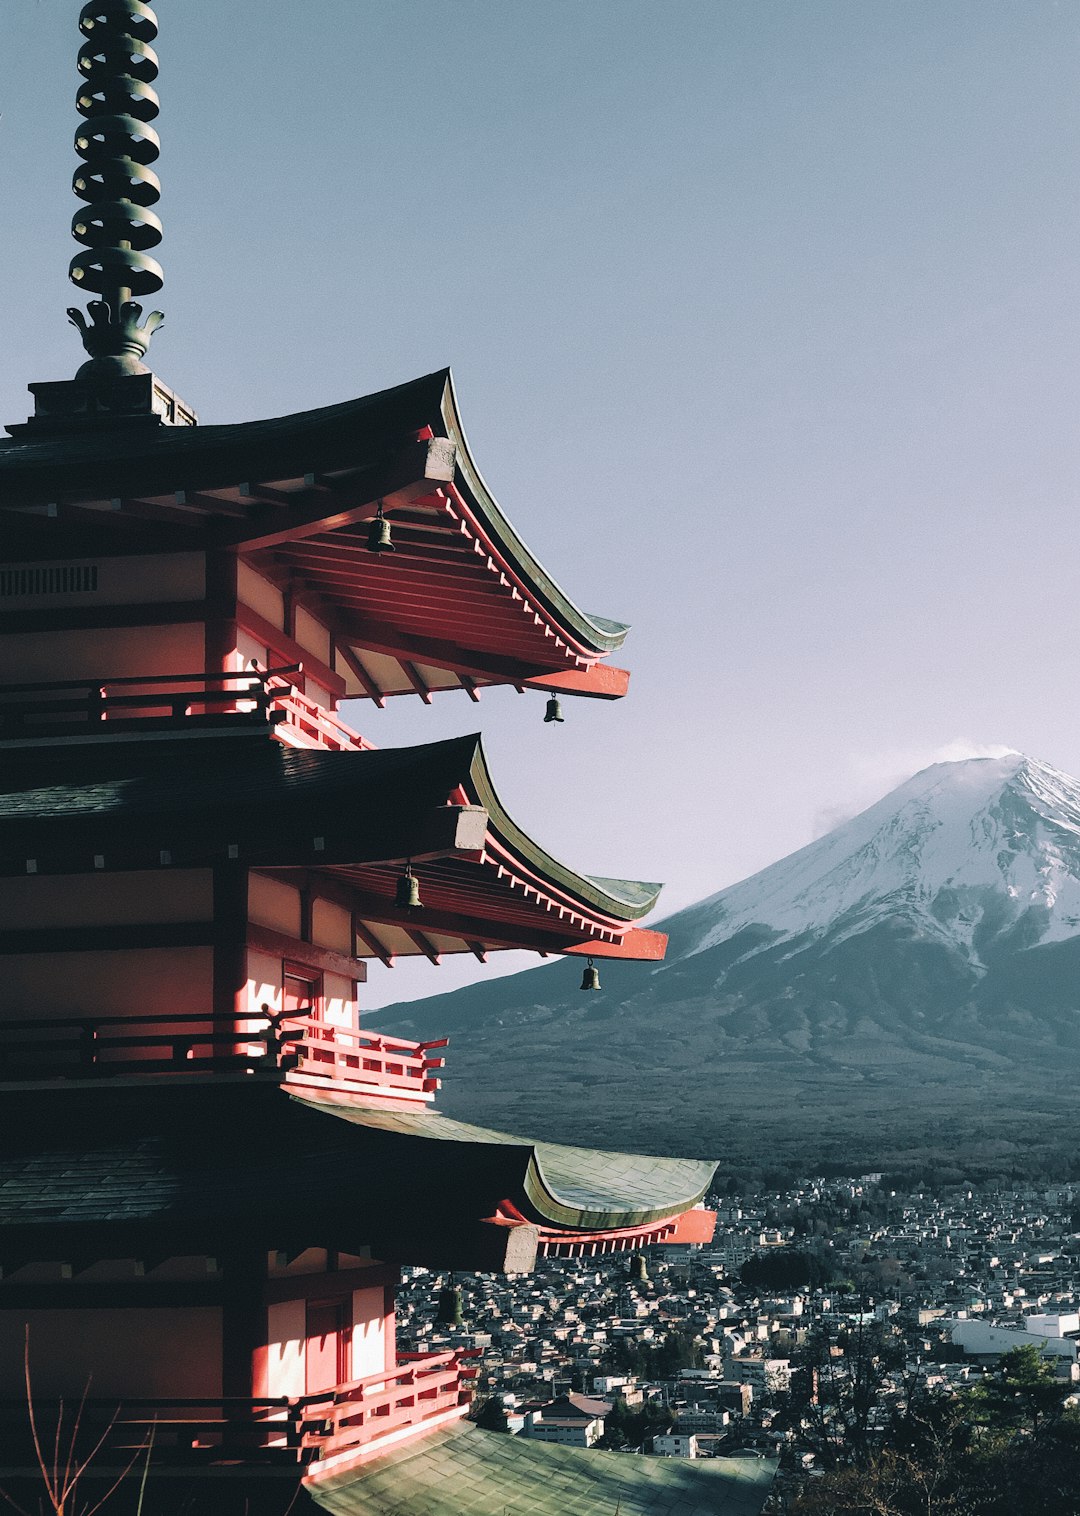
(914, 972)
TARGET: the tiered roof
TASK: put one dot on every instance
(340, 823)
(177, 1168)
(460, 602)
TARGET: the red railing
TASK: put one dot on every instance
(181, 1430)
(88, 1047)
(59, 704)
(310, 725)
(336, 1052)
(355, 1415)
(269, 695)
(296, 1429)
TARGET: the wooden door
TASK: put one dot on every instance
(328, 1333)
(303, 993)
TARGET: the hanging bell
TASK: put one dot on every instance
(449, 1312)
(407, 896)
(378, 537)
(554, 709)
(590, 979)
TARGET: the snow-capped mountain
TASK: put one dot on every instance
(966, 851)
(916, 968)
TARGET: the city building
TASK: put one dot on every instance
(573, 1420)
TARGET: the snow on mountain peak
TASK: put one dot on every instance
(956, 840)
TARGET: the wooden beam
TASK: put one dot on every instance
(361, 675)
(549, 935)
(114, 937)
(600, 682)
(230, 923)
(319, 1286)
(426, 946)
(362, 931)
(415, 679)
(77, 618)
(404, 478)
(266, 632)
(392, 642)
(639, 945)
(262, 939)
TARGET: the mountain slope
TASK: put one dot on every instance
(919, 965)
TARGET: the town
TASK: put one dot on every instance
(744, 1346)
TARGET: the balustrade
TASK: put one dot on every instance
(97, 1047)
(58, 707)
(297, 1429)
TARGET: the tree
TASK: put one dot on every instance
(1022, 1393)
(785, 1268)
(492, 1415)
(837, 1418)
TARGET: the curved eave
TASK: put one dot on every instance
(581, 1189)
(619, 899)
(595, 631)
(349, 818)
(302, 485)
(143, 1164)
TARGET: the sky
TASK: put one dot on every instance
(764, 324)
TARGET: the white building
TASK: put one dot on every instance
(675, 1445)
(1056, 1324)
(982, 1340)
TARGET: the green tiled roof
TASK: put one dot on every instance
(174, 1162)
(333, 439)
(578, 1187)
(470, 1472)
(248, 792)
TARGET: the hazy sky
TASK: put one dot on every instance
(763, 316)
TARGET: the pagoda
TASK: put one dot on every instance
(211, 1170)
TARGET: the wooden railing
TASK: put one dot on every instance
(313, 725)
(94, 1047)
(268, 695)
(364, 1057)
(215, 1429)
(181, 1430)
(425, 1386)
(60, 704)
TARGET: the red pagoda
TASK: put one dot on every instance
(210, 1171)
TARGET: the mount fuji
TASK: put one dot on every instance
(911, 979)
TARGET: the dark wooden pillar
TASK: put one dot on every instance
(243, 1322)
(220, 630)
(230, 939)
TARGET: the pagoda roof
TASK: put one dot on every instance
(341, 823)
(584, 1188)
(465, 1468)
(461, 602)
(89, 1171)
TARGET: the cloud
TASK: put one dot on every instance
(873, 775)
(829, 817)
(959, 748)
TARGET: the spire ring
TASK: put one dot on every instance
(117, 144)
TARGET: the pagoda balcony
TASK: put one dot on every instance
(297, 1051)
(332, 1426)
(185, 704)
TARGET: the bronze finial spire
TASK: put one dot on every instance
(116, 225)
